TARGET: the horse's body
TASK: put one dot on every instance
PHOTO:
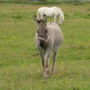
(50, 12)
(49, 38)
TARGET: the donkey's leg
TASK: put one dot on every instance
(54, 59)
(46, 63)
(42, 57)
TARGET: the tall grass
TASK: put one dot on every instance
(75, 2)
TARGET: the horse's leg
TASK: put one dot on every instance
(46, 63)
(54, 59)
(41, 16)
(59, 19)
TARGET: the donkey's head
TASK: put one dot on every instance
(42, 27)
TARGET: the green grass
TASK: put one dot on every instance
(20, 70)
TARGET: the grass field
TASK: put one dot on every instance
(20, 70)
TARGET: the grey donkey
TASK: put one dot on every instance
(49, 38)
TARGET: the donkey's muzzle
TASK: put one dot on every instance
(43, 42)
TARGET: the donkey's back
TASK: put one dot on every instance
(56, 35)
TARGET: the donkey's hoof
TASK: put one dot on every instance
(45, 75)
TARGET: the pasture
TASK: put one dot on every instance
(20, 69)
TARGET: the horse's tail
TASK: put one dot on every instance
(61, 19)
(61, 16)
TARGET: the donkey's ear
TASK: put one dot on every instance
(36, 20)
(45, 18)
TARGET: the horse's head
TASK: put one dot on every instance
(42, 27)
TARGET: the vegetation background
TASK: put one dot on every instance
(21, 70)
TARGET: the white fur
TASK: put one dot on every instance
(50, 12)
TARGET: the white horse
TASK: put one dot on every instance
(49, 12)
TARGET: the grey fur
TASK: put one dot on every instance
(49, 38)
